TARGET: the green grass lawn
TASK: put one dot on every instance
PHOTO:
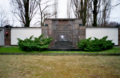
(11, 50)
(29, 66)
(18, 50)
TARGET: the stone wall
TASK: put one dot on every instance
(68, 28)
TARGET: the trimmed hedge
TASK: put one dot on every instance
(36, 44)
(96, 44)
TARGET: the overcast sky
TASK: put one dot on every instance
(115, 12)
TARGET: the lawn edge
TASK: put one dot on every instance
(61, 54)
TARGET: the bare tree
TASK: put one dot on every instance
(92, 12)
(44, 11)
(3, 18)
(89, 15)
(76, 8)
(24, 10)
(69, 9)
(80, 9)
(55, 8)
(103, 12)
(106, 11)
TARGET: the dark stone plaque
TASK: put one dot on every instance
(63, 36)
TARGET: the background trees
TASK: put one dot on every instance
(104, 12)
(76, 10)
(92, 12)
(55, 8)
(3, 18)
(69, 14)
(24, 10)
(44, 10)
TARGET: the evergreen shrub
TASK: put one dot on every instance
(36, 44)
(95, 44)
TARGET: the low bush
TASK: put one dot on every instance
(36, 44)
(95, 44)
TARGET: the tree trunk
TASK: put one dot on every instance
(81, 12)
(84, 14)
(27, 19)
(95, 13)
